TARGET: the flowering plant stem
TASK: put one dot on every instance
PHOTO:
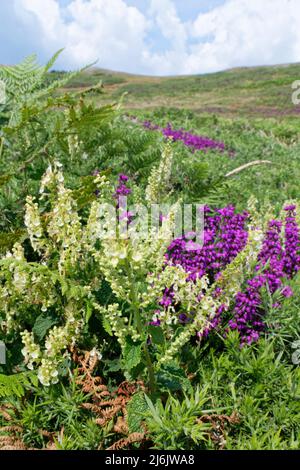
(138, 322)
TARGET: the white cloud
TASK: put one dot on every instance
(243, 32)
(110, 31)
(240, 32)
(165, 19)
(47, 14)
(168, 21)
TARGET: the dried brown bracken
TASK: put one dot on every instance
(109, 407)
(11, 435)
(4, 411)
(131, 439)
(218, 424)
(85, 378)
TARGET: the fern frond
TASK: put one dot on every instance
(17, 384)
(90, 117)
(26, 84)
(22, 78)
(217, 193)
(57, 84)
(52, 61)
(8, 239)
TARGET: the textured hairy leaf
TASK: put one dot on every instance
(42, 324)
(172, 377)
(136, 410)
(157, 334)
(132, 354)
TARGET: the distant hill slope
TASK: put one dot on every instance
(255, 91)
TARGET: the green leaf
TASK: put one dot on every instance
(132, 354)
(64, 367)
(89, 312)
(43, 324)
(172, 377)
(113, 365)
(64, 285)
(153, 411)
(4, 179)
(106, 326)
(157, 334)
(136, 410)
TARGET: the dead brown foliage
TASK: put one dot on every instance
(218, 424)
(11, 435)
(110, 407)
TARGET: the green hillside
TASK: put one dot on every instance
(258, 91)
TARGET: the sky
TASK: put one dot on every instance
(152, 37)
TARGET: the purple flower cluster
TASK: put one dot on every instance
(122, 189)
(196, 142)
(193, 141)
(277, 263)
(225, 235)
(292, 234)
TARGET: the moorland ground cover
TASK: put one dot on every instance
(155, 341)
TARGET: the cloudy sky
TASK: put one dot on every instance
(157, 37)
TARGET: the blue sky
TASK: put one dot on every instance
(157, 37)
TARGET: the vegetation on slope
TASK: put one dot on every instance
(125, 351)
(249, 92)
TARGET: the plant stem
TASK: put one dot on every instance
(1, 146)
(149, 364)
(138, 321)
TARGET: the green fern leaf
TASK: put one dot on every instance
(17, 384)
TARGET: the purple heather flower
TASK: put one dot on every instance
(127, 215)
(290, 208)
(155, 323)
(123, 178)
(190, 235)
(183, 318)
(193, 141)
(225, 236)
(287, 292)
(122, 189)
(292, 243)
(277, 263)
(276, 305)
(192, 246)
